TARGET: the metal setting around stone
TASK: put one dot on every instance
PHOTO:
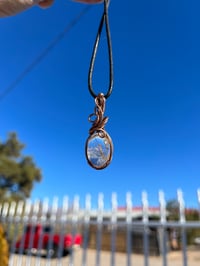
(99, 149)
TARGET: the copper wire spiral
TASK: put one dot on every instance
(100, 121)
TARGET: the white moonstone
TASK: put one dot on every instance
(99, 150)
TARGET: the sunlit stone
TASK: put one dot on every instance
(99, 150)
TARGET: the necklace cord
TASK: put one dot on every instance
(105, 20)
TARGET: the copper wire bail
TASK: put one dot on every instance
(99, 146)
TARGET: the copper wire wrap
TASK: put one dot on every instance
(100, 121)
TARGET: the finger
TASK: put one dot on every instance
(45, 3)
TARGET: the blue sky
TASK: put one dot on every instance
(153, 111)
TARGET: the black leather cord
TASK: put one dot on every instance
(105, 20)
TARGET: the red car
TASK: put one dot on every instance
(43, 239)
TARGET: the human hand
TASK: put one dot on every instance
(13, 7)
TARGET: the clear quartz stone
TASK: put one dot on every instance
(99, 150)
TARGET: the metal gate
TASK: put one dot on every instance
(70, 235)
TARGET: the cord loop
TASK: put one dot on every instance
(105, 20)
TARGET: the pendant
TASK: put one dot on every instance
(99, 146)
(99, 150)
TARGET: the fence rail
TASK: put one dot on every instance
(44, 233)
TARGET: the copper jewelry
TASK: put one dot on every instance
(99, 146)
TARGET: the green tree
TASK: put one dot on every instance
(17, 172)
(190, 215)
(173, 210)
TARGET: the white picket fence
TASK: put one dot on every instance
(97, 227)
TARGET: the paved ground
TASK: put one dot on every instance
(174, 259)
